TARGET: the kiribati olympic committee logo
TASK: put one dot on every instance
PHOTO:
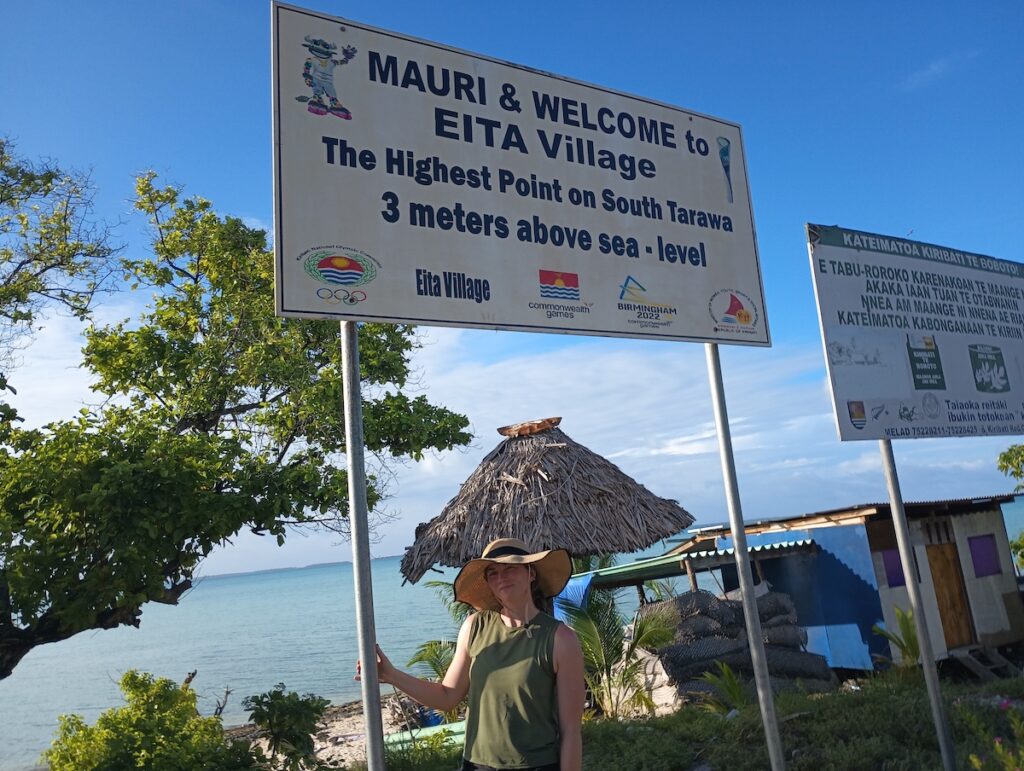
(858, 416)
(342, 269)
(733, 311)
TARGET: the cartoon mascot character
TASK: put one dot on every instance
(318, 73)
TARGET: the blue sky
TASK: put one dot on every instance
(900, 119)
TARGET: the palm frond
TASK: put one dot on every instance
(445, 592)
(905, 641)
(590, 562)
(612, 665)
(662, 589)
(433, 658)
(729, 691)
(593, 644)
(651, 631)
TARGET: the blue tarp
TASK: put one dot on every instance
(834, 591)
(575, 594)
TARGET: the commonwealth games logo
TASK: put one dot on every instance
(340, 266)
(559, 286)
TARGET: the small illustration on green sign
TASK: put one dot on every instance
(925, 363)
(989, 369)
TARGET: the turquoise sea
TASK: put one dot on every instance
(245, 632)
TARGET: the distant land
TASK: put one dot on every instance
(281, 570)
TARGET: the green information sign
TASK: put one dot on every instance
(925, 363)
(989, 369)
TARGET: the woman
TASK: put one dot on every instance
(522, 669)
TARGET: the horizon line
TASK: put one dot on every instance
(292, 567)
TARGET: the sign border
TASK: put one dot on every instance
(281, 311)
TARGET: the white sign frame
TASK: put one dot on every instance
(920, 341)
(349, 121)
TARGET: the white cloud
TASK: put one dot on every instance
(936, 70)
(256, 223)
(50, 381)
(50, 384)
(865, 461)
(646, 407)
(704, 442)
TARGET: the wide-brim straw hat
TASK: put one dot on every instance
(553, 568)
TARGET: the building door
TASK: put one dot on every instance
(950, 594)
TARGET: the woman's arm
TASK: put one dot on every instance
(444, 695)
(571, 694)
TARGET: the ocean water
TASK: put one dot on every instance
(245, 632)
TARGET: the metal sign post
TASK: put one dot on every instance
(357, 516)
(931, 674)
(739, 537)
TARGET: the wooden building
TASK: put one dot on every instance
(842, 569)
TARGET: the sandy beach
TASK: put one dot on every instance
(341, 737)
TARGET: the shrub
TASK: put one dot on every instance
(613, 666)
(158, 729)
(730, 693)
(430, 753)
(288, 721)
(905, 641)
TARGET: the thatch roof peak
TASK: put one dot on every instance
(542, 487)
(529, 427)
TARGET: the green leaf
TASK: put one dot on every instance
(216, 416)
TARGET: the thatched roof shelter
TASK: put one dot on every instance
(542, 487)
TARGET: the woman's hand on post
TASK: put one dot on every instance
(385, 669)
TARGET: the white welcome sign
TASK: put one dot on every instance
(416, 183)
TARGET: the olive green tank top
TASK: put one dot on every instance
(512, 719)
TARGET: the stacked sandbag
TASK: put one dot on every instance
(709, 629)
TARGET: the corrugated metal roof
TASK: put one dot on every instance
(768, 547)
(913, 508)
(945, 502)
(668, 565)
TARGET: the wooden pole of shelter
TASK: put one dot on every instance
(690, 574)
(760, 571)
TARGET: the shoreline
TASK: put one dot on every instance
(341, 734)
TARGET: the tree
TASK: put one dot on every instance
(728, 692)
(51, 253)
(1011, 463)
(433, 658)
(220, 416)
(905, 640)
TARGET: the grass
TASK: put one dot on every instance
(884, 725)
